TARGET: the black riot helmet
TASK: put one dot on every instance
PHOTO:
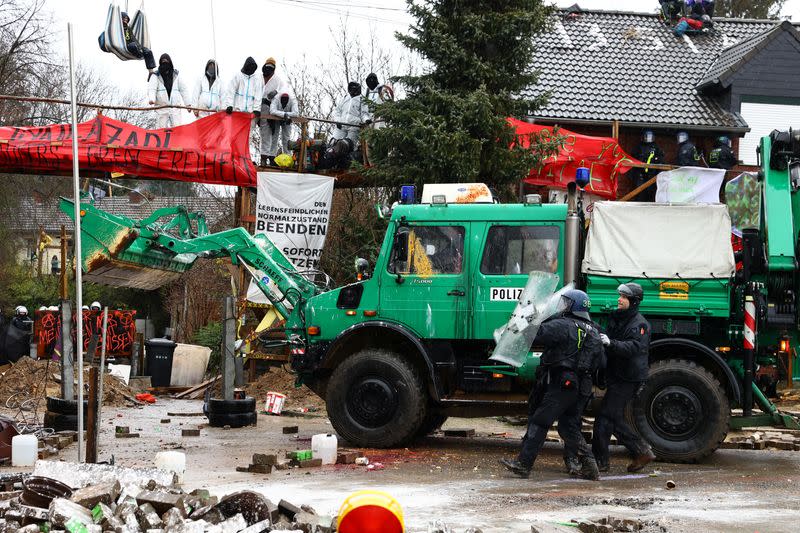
(633, 292)
(648, 136)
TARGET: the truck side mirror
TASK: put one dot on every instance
(400, 249)
(362, 268)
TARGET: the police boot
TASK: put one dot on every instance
(603, 466)
(517, 467)
(588, 468)
(642, 460)
(572, 464)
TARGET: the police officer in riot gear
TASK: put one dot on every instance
(627, 352)
(722, 156)
(688, 156)
(571, 348)
(647, 152)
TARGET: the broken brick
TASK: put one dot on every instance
(265, 459)
(288, 509)
(122, 429)
(460, 432)
(288, 430)
(190, 432)
(90, 496)
(346, 458)
(161, 501)
(127, 435)
(260, 469)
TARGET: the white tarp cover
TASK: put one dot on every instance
(630, 239)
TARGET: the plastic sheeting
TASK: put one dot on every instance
(535, 305)
(113, 37)
(636, 240)
(688, 185)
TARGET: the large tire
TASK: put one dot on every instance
(65, 407)
(223, 407)
(431, 423)
(62, 422)
(234, 420)
(682, 411)
(376, 399)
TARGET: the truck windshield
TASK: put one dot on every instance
(431, 250)
(520, 250)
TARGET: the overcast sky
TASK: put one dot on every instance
(285, 29)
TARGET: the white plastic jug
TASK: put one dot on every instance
(172, 462)
(324, 446)
(24, 450)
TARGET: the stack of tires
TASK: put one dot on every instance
(232, 413)
(62, 415)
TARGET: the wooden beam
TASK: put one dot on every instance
(615, 130)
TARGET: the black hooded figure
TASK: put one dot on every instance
(167, 72)
(249, 67)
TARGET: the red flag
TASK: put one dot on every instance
(603, 156)
(214, 150)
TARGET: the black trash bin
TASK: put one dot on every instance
(159, 361)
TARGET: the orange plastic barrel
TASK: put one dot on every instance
(370, 511)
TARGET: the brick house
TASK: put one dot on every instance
(616, 73)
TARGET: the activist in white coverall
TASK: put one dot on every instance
(351, 110)
(246, 89)
(284, 106)
(209, 94)
(166, 87)
(270, 129)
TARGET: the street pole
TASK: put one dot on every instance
(102, 372)
(76, 193)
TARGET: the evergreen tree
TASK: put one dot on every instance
(748, 9)
(452, 126)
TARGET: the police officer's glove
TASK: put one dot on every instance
(604, 339)
(229, 109)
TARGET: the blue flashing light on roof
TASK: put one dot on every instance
(408, 194)
(582, 177)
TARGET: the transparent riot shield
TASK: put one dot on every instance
(537, 303)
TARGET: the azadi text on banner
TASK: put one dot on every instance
(293, 210)
(211, 150)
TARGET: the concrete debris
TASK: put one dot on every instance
(288, 430)
(151, 507)
(82, 475)
(190, 433)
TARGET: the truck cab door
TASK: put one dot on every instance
(424, 283)
(510, 252)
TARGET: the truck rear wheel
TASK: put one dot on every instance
(682, 411)
(376, 399)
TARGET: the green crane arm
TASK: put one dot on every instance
(777, 221)
(130, 249)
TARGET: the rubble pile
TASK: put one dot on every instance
(29, 378)
(151, 507)
(283, 381)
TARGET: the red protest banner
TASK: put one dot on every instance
(603, 156)
(120, 332)
(213, 149)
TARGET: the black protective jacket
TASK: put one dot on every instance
(722, 157)
(688, 156)
(629, 351)
(570, 342)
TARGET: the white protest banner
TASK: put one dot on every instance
(689, 185)
(293, 211)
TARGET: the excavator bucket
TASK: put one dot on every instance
(113, 252)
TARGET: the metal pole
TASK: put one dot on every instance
(100, 384)
(213, 30)
(749, 348)
(67, 351)
(228, 348)
(76, 193)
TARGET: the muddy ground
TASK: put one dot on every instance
(459, 481)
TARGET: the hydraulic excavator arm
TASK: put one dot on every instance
(147, 254)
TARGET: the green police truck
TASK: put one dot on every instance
(398, 352)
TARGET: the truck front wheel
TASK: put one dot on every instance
(376, 399)
(682, 411)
